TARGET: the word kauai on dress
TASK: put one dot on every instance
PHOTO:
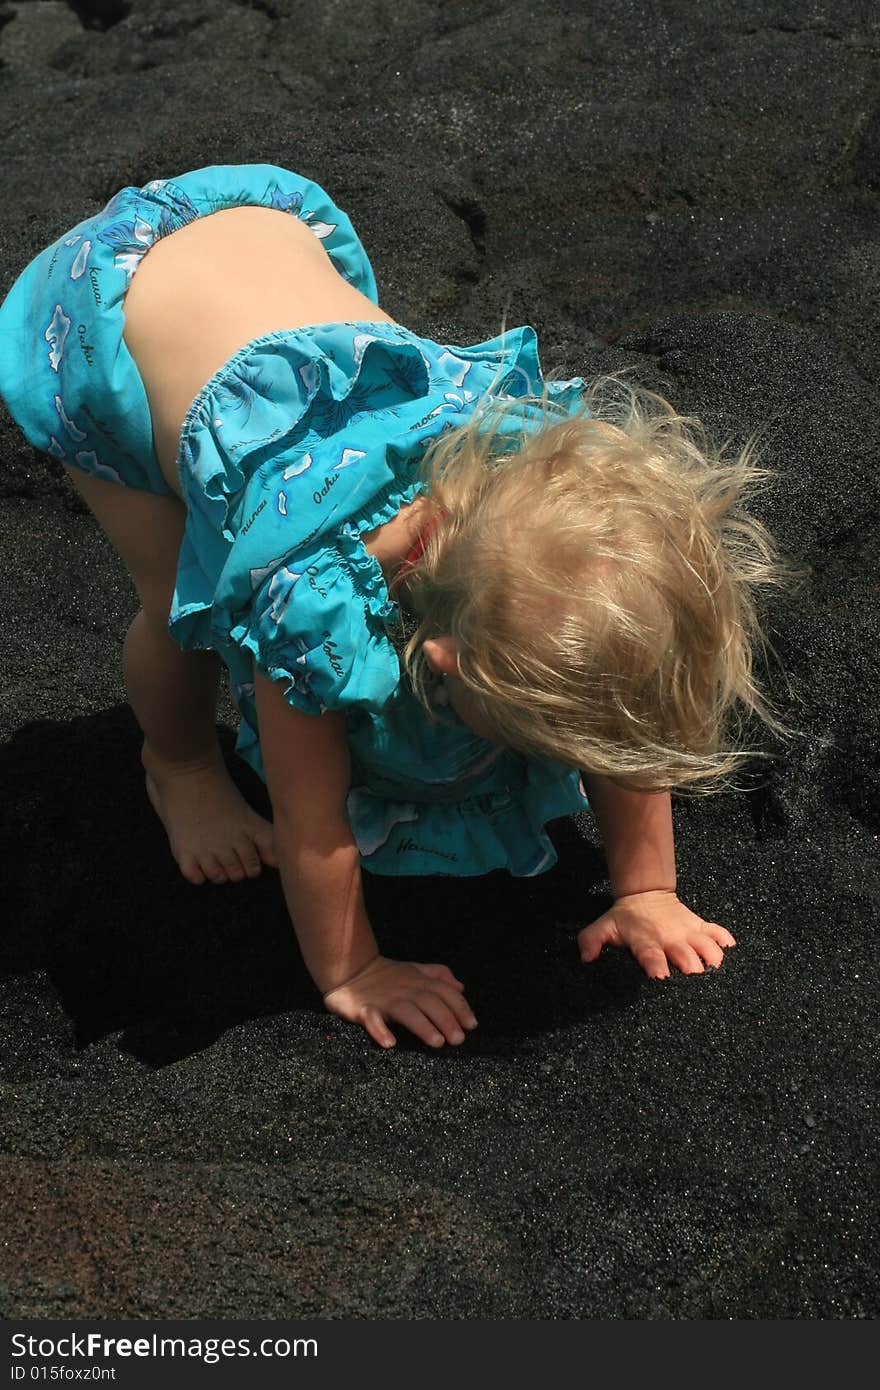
(252, 518)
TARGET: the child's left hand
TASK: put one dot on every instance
(660, 931)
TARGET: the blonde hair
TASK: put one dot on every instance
(599, 573)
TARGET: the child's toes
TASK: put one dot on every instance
(213, 869)
(251, 863)
(189, 867)
(234, 868)
(266, 847)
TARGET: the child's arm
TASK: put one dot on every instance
(647, 915)
(307, 767)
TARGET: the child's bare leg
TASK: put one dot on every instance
(213, 832)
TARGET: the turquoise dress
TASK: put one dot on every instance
(300, 444)
(302, 441)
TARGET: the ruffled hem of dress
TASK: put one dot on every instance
(464, 839)
(224, 481)
(319, 378)
(272, 654)
(211, 624)
(468, 838)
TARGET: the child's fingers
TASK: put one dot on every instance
(653, 961)
(457, 1003)
(440, 972)
(595, 936)
(374, 1023)
(441, 1015)
(710, 950)
(413, 1017)
(719, 934)
(685, 957)
(451, 996)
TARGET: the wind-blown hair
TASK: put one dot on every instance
(599, 573)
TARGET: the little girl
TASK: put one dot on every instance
(455, 600)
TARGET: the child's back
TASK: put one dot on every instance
(216, 284)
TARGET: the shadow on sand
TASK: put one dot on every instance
(96, 902)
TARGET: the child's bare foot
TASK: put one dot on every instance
(212, 830)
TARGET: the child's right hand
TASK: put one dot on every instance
(426, 999)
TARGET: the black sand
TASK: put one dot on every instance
(691, 187)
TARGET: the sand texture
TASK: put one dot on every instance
(688, 187)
